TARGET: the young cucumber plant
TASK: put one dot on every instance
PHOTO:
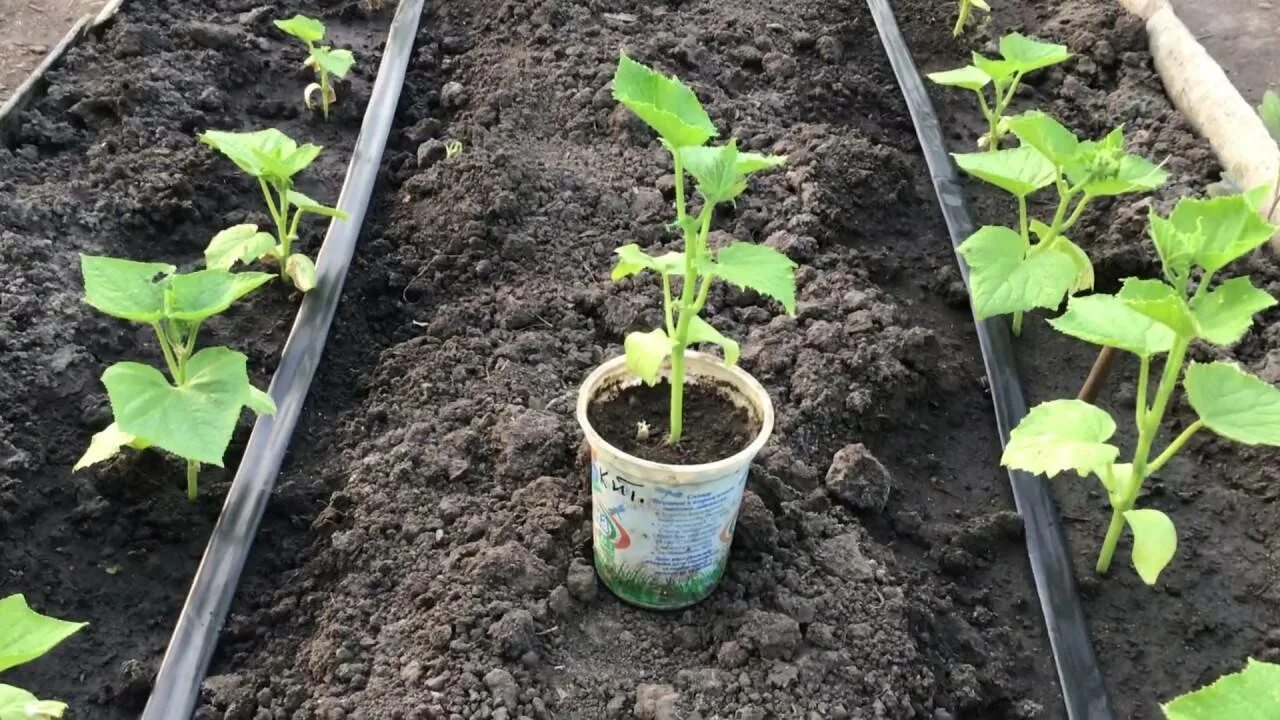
(273, 158)
(673, 111)
(1161, 317)
(1019, 55)
(1037, 265)
(327, 62)
(1250, 694)
(965, 10)
(193, 412)
(24, 636)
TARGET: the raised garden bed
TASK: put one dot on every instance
(427, 554)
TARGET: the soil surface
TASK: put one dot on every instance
(29, 29)
(107, 162)
(714, 426)
(1217, 602)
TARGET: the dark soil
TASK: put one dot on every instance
(1218, 601)
(107, 162)
(714, 427)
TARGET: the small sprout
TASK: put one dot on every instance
(194, 411)
(1019, 55)
(274, 159)
(1148, 318)
(327, 62)
(451, 148)
(24, 636)
(962, 15)
(642, 430)
(672, 109)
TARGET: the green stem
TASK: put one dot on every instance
(666, 305)
(1147, 431)
(961, 18)
(275, 212)
(992, 120)
(1174, 447)
(1017, 323)
(324, 92)
(691, 302)
(1144, 379)
(1024, 223)
(166, 349)
(193, 475)
(1075, 215)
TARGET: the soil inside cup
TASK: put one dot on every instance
(714, 426)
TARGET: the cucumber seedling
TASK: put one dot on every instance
(273, 158)
(1150, 318)
(193, 412)
(1250, 694)
(24, 636)
(673, 111)
(964, 11)
(327, 62)
(1019, 55)
(1037, 265)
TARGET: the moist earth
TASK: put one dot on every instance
(636, 420)
(106, 162)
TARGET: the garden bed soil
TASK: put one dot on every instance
(1217, 603)
(107, 162)
(714, 426)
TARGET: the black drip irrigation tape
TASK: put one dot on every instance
(177, 686)
(1083, 691)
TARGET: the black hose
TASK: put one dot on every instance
(1083, 691)
(177, 686)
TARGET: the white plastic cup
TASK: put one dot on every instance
(661, 533)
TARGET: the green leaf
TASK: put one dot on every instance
(238, 243)
(1159, 302)
(645, 353)
(750, 162)
(26, 634)
(1107, 320)
(1155, 541)
(1104, 168)
(301, 272)
(1233, 403)
(1000, 71)
(335, 62)
(1177, 249)
(1019, 171)
(1027, 55)
(306, 204)
(1251, 694)
(104, 445)
(18, 704)
(1042, 132)
(700, 331)
(664, 103)
(1269, 111)
(124, 288)
(193, 297)
(1228, 227)
(716, 170)
(1062, 435)
(632, 260)
(968, 77)
(1004, 279)
(1116, 479)
(302, 27)
(1224, 314)
(758, 267)
(259, 401)
(268, 154)
(194, 420)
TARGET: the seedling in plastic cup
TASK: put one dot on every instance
(1161, 317)
(1019, 55)
(194, 411)
(672, 109)
(327, 62)
(273, 158)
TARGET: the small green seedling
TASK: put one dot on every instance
(24, 636)
(1019, 55)
(1250, 694)
(1161, 317)
(193, 412)
(451, 148)
(965, 10)
(672, 109)
(327, 62)
(1037, 265)
(273, 158)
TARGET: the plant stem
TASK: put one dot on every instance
(166, 349)
(961, 18)
(1144, 379)
(1024, 223)
(1017, 323)
(1274, 201)
(992, 120)
(193, 475)
(1174, 447)
(1147, 431)
(324, 93)
(691, 302)
(1075, 215)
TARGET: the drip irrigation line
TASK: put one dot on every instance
(177, 686)
(1083, 691)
